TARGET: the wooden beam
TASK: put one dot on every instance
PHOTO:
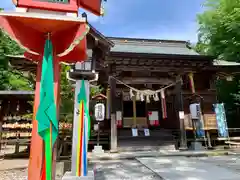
(152, 68)
(147, 80)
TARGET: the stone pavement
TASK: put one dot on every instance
(230, 162)
(146, 165)
(182, 168)
(123, 169)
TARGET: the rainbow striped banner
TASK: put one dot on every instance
(81, 130)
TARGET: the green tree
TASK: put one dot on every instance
(219, 33)
(10, 78)
(219, 36)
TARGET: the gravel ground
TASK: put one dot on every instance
(16, 174)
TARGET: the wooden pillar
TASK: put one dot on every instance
(193, 91)
(134, 112)
(108, 104)
(36, 158)
(112, 83)
(191, 79)
(180, 113)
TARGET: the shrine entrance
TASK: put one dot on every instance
(128, 114)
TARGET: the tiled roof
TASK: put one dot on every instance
(148, 46)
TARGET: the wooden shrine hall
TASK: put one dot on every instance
(150, 84)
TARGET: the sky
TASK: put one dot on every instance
(157, 19)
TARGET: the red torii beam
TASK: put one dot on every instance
(93, 6)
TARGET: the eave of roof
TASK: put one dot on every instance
(225, 63)
(17, 93)
(166, 56)
(95, 33)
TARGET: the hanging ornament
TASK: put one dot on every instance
(102, 10)
(131, 93)
(138, 96)
(102, 13)
(148, 98)
(9, 117)
(18, 107)
(142, 96)
(155, 97)
(18, 118)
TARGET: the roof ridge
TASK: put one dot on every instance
(153, 44)
(146, 39)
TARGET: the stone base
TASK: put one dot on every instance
(70, 176)
(197, 146)
(98, 150)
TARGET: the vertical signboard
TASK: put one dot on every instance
(221, 120)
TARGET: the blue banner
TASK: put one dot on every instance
(221, 120)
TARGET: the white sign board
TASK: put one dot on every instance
(181, 114)
(195, 110)
(134, 132)
(99, 112)
(146, 132)
(153, 116)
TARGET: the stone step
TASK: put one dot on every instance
(135, 148)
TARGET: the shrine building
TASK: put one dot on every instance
(150, 84)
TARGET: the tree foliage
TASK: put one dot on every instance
(219, 33)
(219, 36)
(10, 78)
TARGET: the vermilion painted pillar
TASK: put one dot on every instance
(37, 149)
